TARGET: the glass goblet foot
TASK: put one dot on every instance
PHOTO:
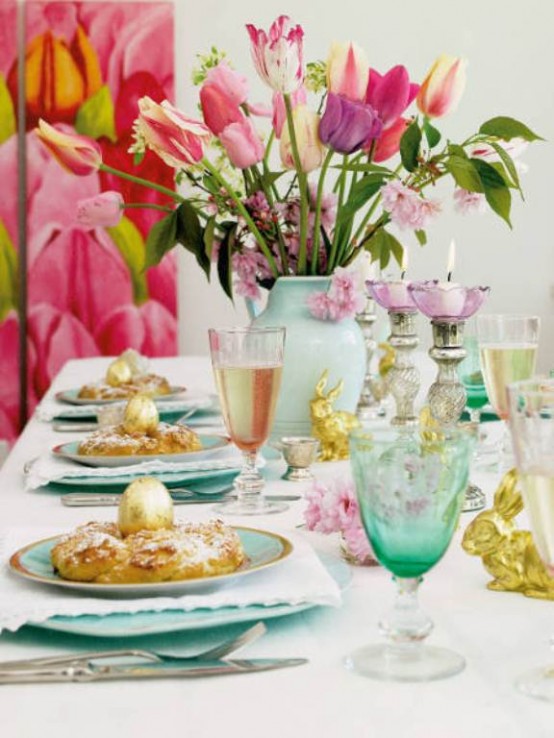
(249, 499)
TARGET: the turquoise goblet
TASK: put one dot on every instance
(410, 492)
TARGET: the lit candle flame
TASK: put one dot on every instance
(404, 264)
(451, 259)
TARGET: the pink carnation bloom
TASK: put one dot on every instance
(318, 303)
(342, 300)
(469, 202)
(357, 543)
(331, 508)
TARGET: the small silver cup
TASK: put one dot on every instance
(299, 453)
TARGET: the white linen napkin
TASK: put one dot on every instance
(301, 578)
(49, 468)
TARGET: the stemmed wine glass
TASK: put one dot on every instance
(508, 347)
(410, 491)
(532, 427)
(247, 364)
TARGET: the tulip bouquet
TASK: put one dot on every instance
(338, 125)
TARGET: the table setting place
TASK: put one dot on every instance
(346, 502)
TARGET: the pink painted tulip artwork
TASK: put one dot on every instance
(88, 293)
(10, 322)
(339, 157)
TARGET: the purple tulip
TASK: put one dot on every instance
(346, 125)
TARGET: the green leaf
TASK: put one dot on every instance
(130, 244)
(8, 124)
(8, 274)
(191, 235)
(497, 193)
(465, 173)
(138, 157)
(208, 237)
(361, 192)
(360, 167)
(224, 270)
(95, 117)
(432, 134)
(457, 150)
(381, 245)
(508, 163)
(421, 237)
(508, 128)
(409, 146)
(161, 239)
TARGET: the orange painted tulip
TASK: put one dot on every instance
(443, 86)
(77, 154)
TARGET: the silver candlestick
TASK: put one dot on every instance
(447, 395)
(403, 377)
(368, 405)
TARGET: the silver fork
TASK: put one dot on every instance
(211, 654)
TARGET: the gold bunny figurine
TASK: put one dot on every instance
(330, 427)
(508, 554)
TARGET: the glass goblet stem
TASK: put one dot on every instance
(406, 624)
(250, 482)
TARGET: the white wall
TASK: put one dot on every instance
(510, 49)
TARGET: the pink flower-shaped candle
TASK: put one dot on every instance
(447, 301)
(394, 296)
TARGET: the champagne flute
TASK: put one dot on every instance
(248, 364)
(508, 347)
(532, 426)
(410, 492)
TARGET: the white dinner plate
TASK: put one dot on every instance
(211, 444)
(71, 397)
(262, 549)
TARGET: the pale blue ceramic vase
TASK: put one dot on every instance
(311, 346)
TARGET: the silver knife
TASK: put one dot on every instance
(74, 427)
(84, 499)
(89, 672)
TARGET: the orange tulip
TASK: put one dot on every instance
(58, 77)
(443, 86)
(78, 154)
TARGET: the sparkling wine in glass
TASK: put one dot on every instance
(531, 406)
(247, 364)
(508, 347)
(410, 491)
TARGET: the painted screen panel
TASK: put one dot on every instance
(9, 237)
(86, 65)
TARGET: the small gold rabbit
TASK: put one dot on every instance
(508, 554)
(331, 427)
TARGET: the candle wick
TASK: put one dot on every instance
(403, 275)
(449, 277)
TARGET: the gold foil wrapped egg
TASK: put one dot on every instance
(119, 372)
(141, 415)
(145, 505)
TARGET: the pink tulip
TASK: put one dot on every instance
(277, 56)
(242, 143)
(150, 329)
(9, 387)
(218, 108)
(78, 154)
(310, 148)
(177, 140)
(299, 97)
(443, 86)
(104, 210)
(390, 94)
(347, 71)
(388, 143)
(235, 85)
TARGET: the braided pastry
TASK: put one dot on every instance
(116, 440)
(97, 552)
(149, 384)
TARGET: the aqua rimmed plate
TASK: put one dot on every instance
(262, 549)
(71, 397)
(136, 625)
(210, 445)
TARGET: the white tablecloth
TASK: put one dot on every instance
(500, 635)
